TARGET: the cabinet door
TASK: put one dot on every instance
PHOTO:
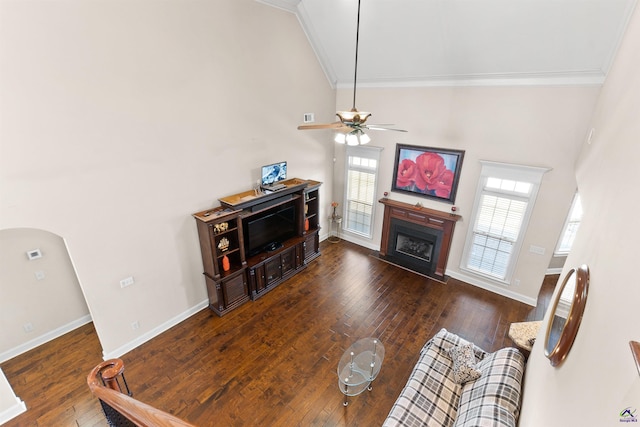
(272, 270)
(216, 297)
(299, 254)
(311, 247)
(288, 261)
(235, 290)
(259, 284)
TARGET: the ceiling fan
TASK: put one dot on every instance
(352, 123)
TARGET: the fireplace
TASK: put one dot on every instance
(416, 238)
(414, 246)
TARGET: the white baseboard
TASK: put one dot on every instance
(13, 411)
(9, 410)
(360, 241)
(46, 337)
(106, 355)
(500, 290)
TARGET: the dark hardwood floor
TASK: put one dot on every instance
(273, 361)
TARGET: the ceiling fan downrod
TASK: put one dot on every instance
(355, 73)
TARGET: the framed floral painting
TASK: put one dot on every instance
(427, 172)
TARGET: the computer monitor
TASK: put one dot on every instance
(274, 173)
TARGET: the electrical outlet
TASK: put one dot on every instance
(28, 327)
(516, 282)
(127, 281)
(135, 325)
(39, 275)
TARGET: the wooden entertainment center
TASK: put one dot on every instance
(250, 272)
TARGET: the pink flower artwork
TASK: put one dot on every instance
(428, 172)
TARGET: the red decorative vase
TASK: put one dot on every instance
(306, 224)
(226, 265)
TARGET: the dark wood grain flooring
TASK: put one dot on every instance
(273, 362)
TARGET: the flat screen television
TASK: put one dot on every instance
(274, 173)
(268, 231)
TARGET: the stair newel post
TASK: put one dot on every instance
(110, 371)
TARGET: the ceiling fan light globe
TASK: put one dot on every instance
(340, 138)
(352, 139)
(364, 139)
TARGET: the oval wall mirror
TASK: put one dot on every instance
(566, 314)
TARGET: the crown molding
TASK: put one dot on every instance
(288, 5)
(587, 78)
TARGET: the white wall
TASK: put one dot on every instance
(121, 119)
(598, 380)
(534, 126)
(43, 293)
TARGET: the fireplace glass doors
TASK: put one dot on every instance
(414, 246)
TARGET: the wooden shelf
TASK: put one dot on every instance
(227, 252)
(235, 269)
(251, 197)
(394, 204)
(227, 231)
(215, 214)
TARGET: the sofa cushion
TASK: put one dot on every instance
(464, 363)
(494, 398)
(445, 340)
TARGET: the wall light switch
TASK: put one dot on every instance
(39, 275)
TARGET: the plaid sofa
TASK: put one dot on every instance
(431, 397)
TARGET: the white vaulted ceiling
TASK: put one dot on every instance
(462, 42)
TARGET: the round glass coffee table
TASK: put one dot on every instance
(359, 366)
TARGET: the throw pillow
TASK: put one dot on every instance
(464, 363)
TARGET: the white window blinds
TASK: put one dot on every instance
(361, 180)
(571, 226)
(504, 200)
(495, 233)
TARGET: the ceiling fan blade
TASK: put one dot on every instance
(334, 125)
(376, 127)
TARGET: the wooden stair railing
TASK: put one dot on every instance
(122, 410)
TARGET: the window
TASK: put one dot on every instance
(570, 227)
(361, 180)
(504, 201)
